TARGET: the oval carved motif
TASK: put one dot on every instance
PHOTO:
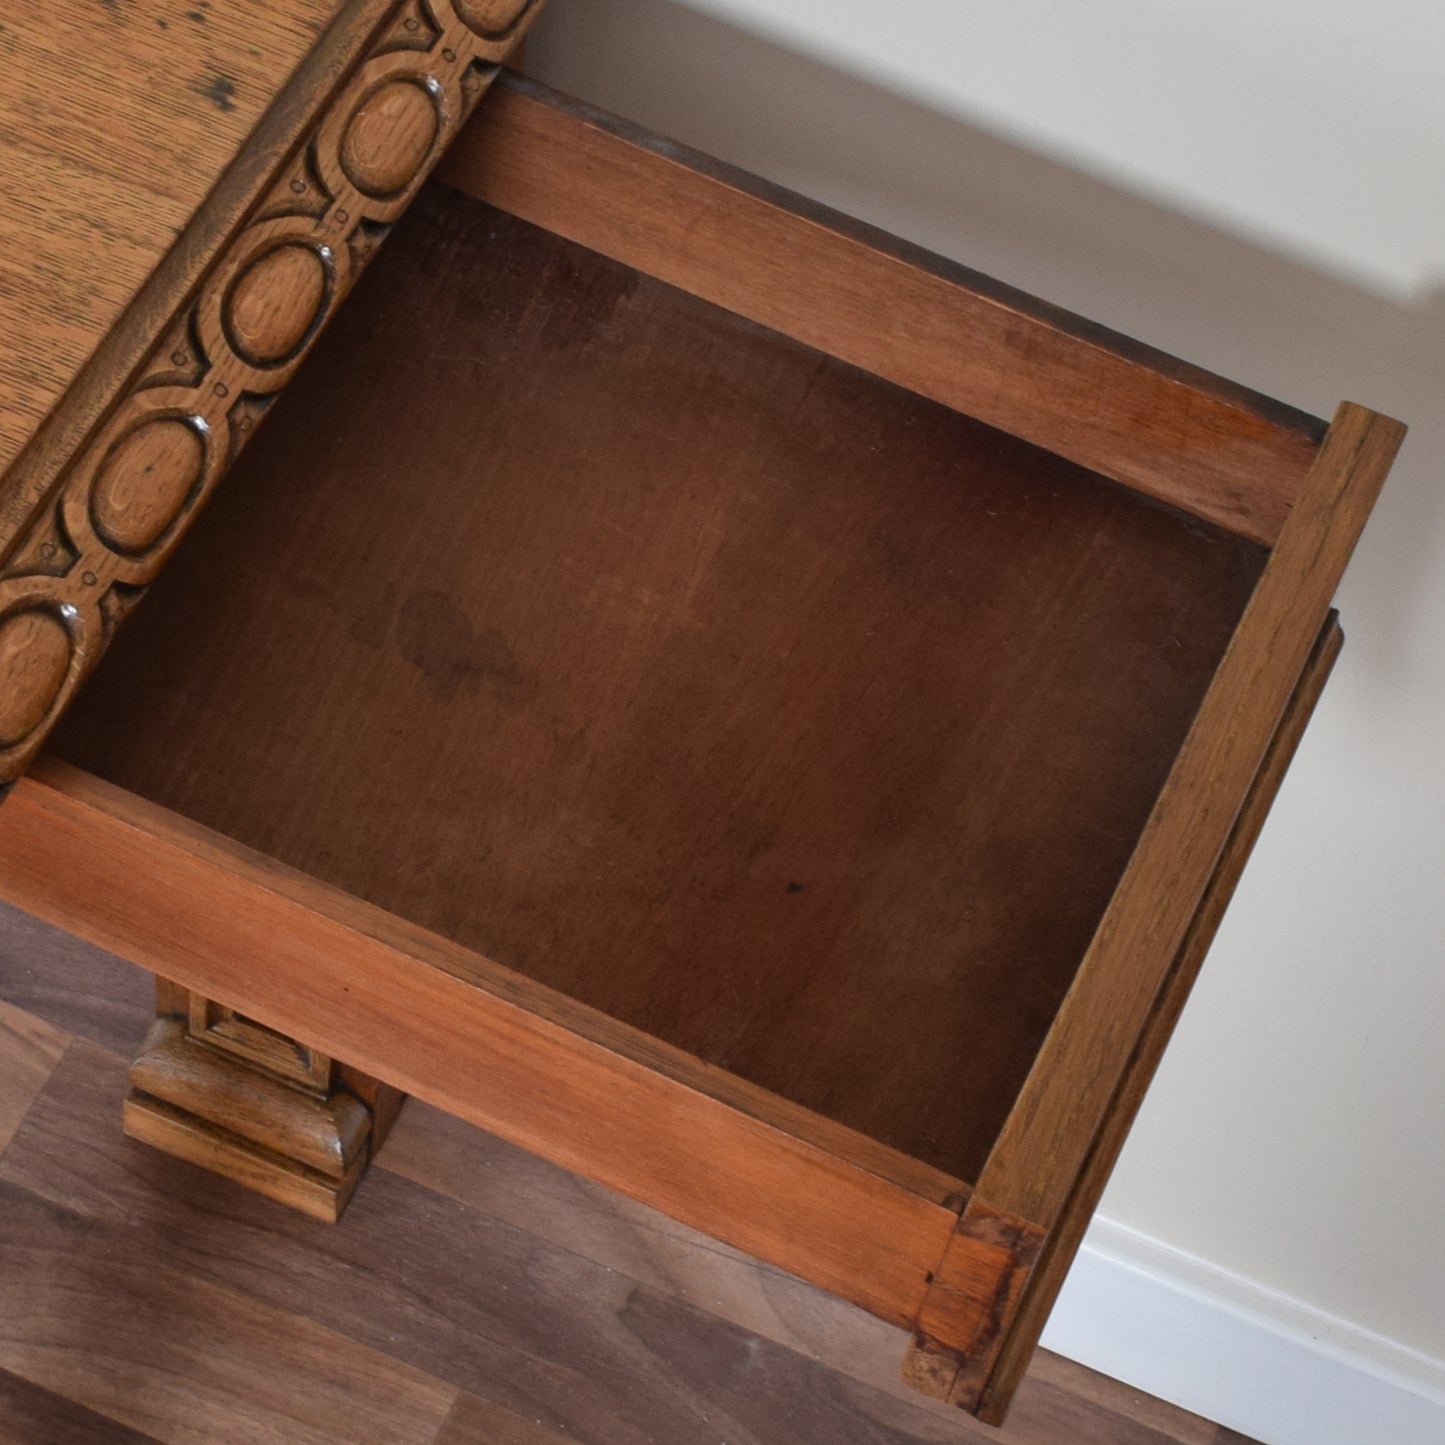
(34, 658)
(275, 303)
(144, 481)
(491, 19)
(389, 136)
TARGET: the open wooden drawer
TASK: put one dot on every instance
(758, 715)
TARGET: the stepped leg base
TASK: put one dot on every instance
(221, 1090)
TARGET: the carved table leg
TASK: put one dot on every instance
(225, 1092)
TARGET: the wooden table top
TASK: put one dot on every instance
(149, 160)
(116, 121)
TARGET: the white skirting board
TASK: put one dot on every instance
(1226, 1348)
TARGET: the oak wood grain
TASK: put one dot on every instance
(1171, 430)
(87, 210)
(306, 1147)
(784, 715)
(1054, 1154)
(972, 1301)
(1068, 1233)
(100, 381)
(802, 1172)
(225, 1092)
(451, 1027)
(1079, 1068)
(79, 560)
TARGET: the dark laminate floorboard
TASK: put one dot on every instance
(474, 1420)
(114, 1318)
(72, 986)
(124, 1273)
(580, 1347)
(30, 1048)
(30, 1415)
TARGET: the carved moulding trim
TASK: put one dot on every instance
(126, 498)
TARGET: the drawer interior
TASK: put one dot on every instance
(751, 699)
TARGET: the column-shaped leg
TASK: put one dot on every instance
(225, 1092)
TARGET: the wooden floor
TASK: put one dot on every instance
(472, 1293)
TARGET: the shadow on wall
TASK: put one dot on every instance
(1073, 238)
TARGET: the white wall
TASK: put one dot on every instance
(1259, 186)
(1257, 110)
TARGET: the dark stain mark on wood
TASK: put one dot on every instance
(220, 90)
(437, 638)
(372, 626)
(795, 887)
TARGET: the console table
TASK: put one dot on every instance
(760, 715)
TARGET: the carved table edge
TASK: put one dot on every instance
(85, 551)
